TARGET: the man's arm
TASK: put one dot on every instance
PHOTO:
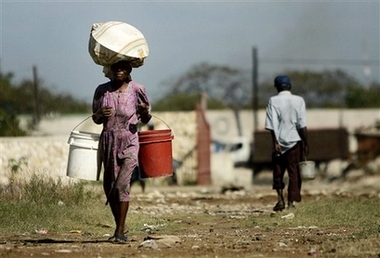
(303, 134)
(275, 144)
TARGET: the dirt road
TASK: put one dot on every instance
(209, 224)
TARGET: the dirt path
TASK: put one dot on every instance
(209, 225)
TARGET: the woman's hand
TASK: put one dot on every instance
(143, 111)
(105, 111)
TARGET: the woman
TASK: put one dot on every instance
(119, 105)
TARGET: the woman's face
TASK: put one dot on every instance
(121, 71)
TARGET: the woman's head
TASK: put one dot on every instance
(121, 70)
(121, 65)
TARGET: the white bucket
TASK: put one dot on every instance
(82, 161)
(307, 169)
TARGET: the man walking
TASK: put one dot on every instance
(286, 121)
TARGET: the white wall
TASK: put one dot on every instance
(223, 124)
(47, 151)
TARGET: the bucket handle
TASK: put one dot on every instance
(81, 122)
(163, 122)
(84, 120)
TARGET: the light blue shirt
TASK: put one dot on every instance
(285, 115)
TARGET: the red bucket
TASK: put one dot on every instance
(155, 155)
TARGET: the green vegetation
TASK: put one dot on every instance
(225, 87)
(356, 213)
(185, 102)
(358, 97)
(233, 88)
(22, 99)
(337, 226)
(9, 125)
(45, 203)
(328, 89)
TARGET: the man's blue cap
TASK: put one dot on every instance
(281, 81)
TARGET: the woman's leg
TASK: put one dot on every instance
(120, 219)
(119, 211)
(121, 198)
(114, 209)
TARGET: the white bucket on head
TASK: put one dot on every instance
(82, 161)
(307, 169)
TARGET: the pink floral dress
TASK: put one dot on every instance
(119, 143)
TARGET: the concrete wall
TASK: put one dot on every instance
(46, 155)
(47, 151)
(223, 124)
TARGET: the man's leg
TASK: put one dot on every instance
(295, 182)
(278, 183)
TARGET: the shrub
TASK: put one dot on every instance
(10, 125)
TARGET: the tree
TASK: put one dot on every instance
(359, 97)
(182, 101)
(231, 86)
(17, 99)
(325, 89)
(9, 125)
(223, 83)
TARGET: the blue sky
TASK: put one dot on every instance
(53, 35)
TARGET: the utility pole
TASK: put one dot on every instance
(36, 117)
(255, 91)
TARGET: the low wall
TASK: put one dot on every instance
(24, 156)
(47, 152)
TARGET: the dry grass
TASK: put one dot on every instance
(337, 226)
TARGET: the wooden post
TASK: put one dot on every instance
(255, 90)
(37, 117)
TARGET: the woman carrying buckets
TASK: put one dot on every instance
(119, 105)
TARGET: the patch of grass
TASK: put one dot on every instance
(19, 217)
(44, 203)
(45, 190)
(361, 214)
(344, 225)
(357, 212)
(336, 226)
